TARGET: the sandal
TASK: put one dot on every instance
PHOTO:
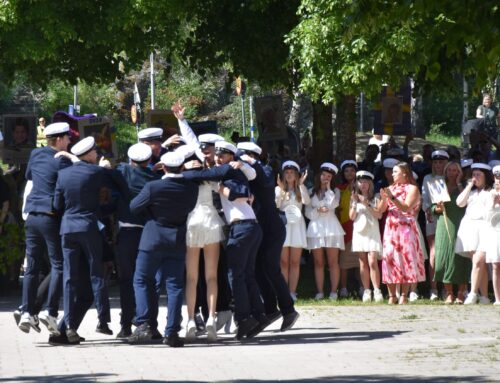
(392, 300)
(403, 300)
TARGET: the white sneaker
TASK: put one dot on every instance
(191, 330)
(413, 297)
(211, 330)
(293, 296)
(378, 296)
(471, 299)
(49, 321)
(344, 293)
(484, 300)
(333, 296)
(367, 296)
(497, 303)
(319, 296)
(28, 322)
(434, 295)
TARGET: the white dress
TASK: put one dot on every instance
(324, 229)
(430, 227)
(295, 231)
(366, 232)
(473, 232)
(493, 249)
(204, 225)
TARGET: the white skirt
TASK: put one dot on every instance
(335, 241)
(472, 236)
(296, 234)
(368, 240)
(204, 227)
(493, 249)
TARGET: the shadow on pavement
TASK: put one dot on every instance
(265, 339)
(329, 379)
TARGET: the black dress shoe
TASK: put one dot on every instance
(273, 317)
(61, 339)
(141, 334)
(245, 326)
(264, 321)
(173, 340)
(156, 334)
(125, 332)
(103, 328)
(289, 320)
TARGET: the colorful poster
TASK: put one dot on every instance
(103, 131)
(19, 133)
(392, 112)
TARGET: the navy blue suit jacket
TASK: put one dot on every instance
(135, 177)
(167, 202)
(262, 187)
(77, 193)
(234, 179)
(43, 170)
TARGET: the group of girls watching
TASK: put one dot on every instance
(382, 231)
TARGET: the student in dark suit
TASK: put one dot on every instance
(162, 247)
(42, 229)
(78, 195)
(136, 175)
(272, 284)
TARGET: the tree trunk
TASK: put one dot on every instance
(322, 134)
(345, 126)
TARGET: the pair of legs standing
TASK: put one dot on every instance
(332, 256)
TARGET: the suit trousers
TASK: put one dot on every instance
(243, 243)
(42, 234)
(272, 284)
(172, 263)
(127, 247)
(86, 245)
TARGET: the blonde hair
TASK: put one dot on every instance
(295, 188)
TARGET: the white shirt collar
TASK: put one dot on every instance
(172, 175)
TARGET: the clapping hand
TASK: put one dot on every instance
(303, 178)
(280, 183)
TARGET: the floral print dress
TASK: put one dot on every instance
(403, 257)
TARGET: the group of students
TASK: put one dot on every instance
(189, 195)
(172, 200)
(374, 218)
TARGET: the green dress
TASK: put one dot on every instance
(450, 267)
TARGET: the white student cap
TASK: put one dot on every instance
(249, 147)
(209, 139)
(83, 146)
(150, 134)
(364, 174)
(440, 155)
(139, 152)
(290, 165)
(56, 129)
(466, 162)
(348, 163)
(496, 170)
(186, 150)
(172, 159)
(480, 165)
(389, 163)
(329, 167)
(225, 147)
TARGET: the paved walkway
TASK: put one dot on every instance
(328, 344)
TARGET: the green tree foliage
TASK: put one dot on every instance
(92, 98)
(348, 46)
(85, 39)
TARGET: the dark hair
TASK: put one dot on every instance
(489, 180)
(317, 182)
(21, 121)
(342, 176)
(173, 169)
